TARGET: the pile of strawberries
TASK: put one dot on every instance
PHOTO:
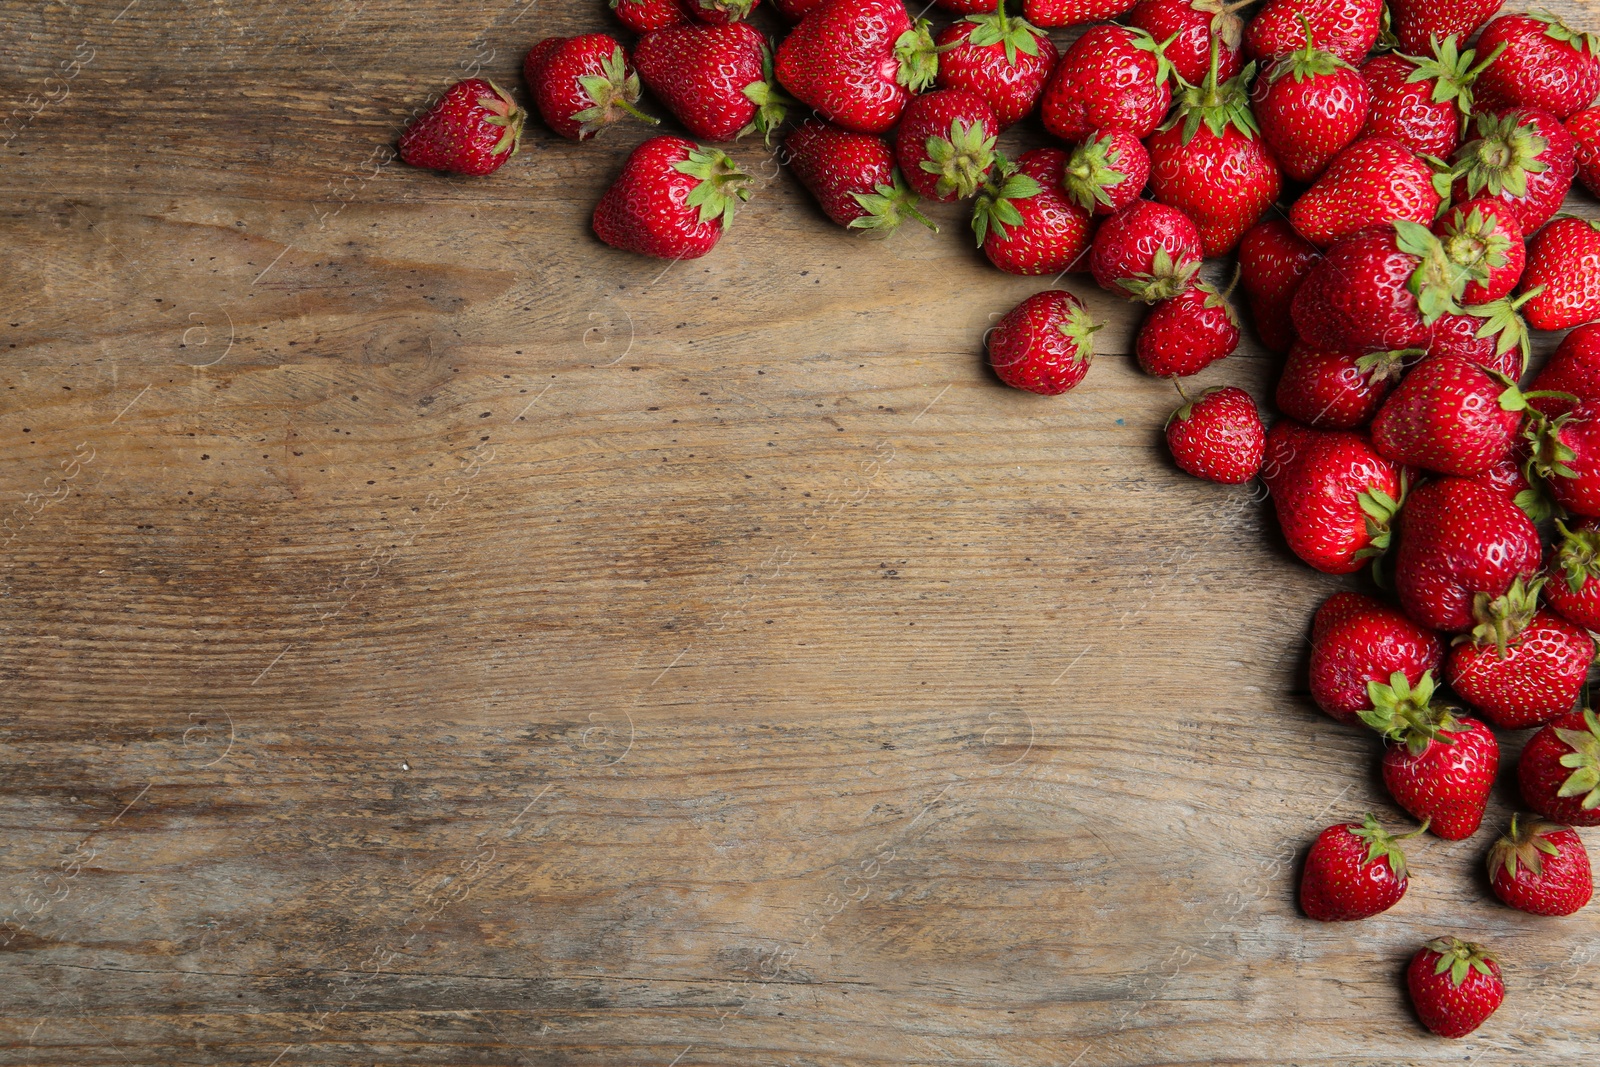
(1422, 148)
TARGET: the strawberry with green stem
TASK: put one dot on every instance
(716, 80)
(1043, 345)
(1185, 334)
(673, 200)
(1455, 986)
(1543, 63)
(1559, 771)
(1004, 59)
(1218, 436)
(1541, 867)
(1336, 499)
(1492, 336)
(582, 84)
(1354, 871)
(1357, 640)
(1331, 389)
(853, 178)
(1449, 416)
(1309, 105)
(1024, 221)
(858, 62)
(1380, 289)
(1483, 238)
(945, 144)
(1107, 171)
(1522, 665)
(719, 12)
(1188, 27)
(1147, 251)
(1348, 28)
(1460, 540)
(1414, 23)
(1566, 456)
(1522, 157)
(1573, 585)
(1373, 181)
(1111, 76)
(473, 129)
(1422, 100)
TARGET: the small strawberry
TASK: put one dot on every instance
(643, 16)
(1566, 456)
(1559, 771)
(1273, 261)
(1024, 221)
(1438, 767)
(1415, 22)
(858, 62)
(1585, 130)
(1545, 64)
(1378, 290)
(852, 176)
(1187, 27)
(1353, 872)
(1055, 13)
(1420, 100)
(1185, 334)
(1522, 666)
(1460, 540)
(716, 80)
(1347, 28)
(1525, 159)
(1455, 986)
(1373, 181)
(1217, 437)
(1573, 368)
(1044, 344)
(1335, 497)
(473, 129)
(1111, 76)
(1147, 251)
(719, 12)
(1564, 260)
(1484, 237)
(1449, 416)
(1328, 389)
(673, 200)
(1573, 587)
(1492, 336)
(1541, 868)
(1107, 171)
(582, 84)
(945, 143)
(1309, 104)
(1004, 59)
(1356, 640)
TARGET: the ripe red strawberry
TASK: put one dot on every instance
(945, 144)
(1335, 496)
(1044, 344)
(1185, 334)
(1107, 172)
(1492, 336)
(1356, 640)
(1484, 237)
(1187, 27)
(1455, 986)
(1585, 130)
(1378, 290)
(1546, 65)
(1071, 12)
(1565, 260)
(1573, 368)
(858, 62)
(1420, 100)
(473, 129)
(1004, 59)
(1459, 540)
(1147, 251)
(1347, 28)
(1353, 872)
(673, 200)
(1373, 181)
(795, 10)
(716, 80)
(1566, 456)
(1309, 104)
(1525, 159)
(719, 12)
(1573, 588)
(643, 16)
(1449, 416)
(852, 176)
(582, 84)
(1415, 22)
(1111, 76)
(1024, 221)
(1559, 771)
(1218, 437)
(1438, 767)
(1273, 261)
(1535, 676)
(1328, 389)
(1541, 868)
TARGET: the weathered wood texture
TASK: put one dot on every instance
(431, 637)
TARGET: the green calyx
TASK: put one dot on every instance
(721, 186)
(1438, 282)
(612, 94)
(1381, 844)
(1091, 171)
(886, 207)
(1500, 619)
(1308, 62)
(1477, 243)
(1502, 157)
(1408, 714)
(1460, 957)
(1218, 107)
(1583, 761)
(1550, 457)
(917, 56)
(1503, 321)
(1013, 34)
(962, 160)
(735, 10)
(1380, 367)
(994, 209)
(504, 112)
(1080, 330)
(1165, 280)
(1578, 556)
(1451, 70)
(1380, 509)
(1524, 846)
(1557, 30)
(772, 104)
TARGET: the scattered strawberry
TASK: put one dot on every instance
(719, 12)
(1455, 986)
(1005, 60)
(1415, 22)
(1523, 666)
(582, 84)
(1335, 496)
(1044, 344)
(1564, 260)
(945, 143)
(716, 80)
(1525, 159)
(1541, 868)
(1328, 389)
(1353, 872)
(1373, 181)
(1273, 261)
(1566, 456)
(1573, 587)
(1218, 437)
(1147, 251)
(1185, 334)
(852, 176)
(1420, 100)
(1309, 104)
(643, 16)
(1107, 171)
(473, 129)
(1545, 64)
(1460, 540)
(1055, 13)
(1438, 767)
(1449, 416)
(1356, 640)
(858, 62)
(1484, 238)
(1186, 28)
(1585, 130)
(1378, 290)
(1111, 76)
(1347, 28)
(1559, 771)
(1024, 221)
(673, 200)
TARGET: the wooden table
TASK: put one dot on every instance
(432, 637)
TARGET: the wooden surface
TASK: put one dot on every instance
(431, 637)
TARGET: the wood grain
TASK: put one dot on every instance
(431, 637)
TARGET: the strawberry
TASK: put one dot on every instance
(1484, 237)
(795, 10)
(1353, 872)
(1185, 334)
(673, 200)
(1566, 456)
(1508, 477)
(716, 80)
(1107, 171)
(1347, 28)
(1186, 28)
(1525, 159)
(1438, 767)
(1492, 336)
(1420, 100)
(1544, 64)
(1415, 22)
(582, 84)
(1025, 222)
(643, 16)
(1044, 344)
(1147, 251)
(473, 129)
(1111, 76)
(1455, 986)
(1328, 389)
(1378, 290)
(1273, 261)
(1573, 368)
(1559, 771)
(1005, 60)
(1523, 666)
(1054, 13)
(1460, 540)
(1309, 104)
(1335, 496)
(967, 7)
(1218, 437)
(858, 62)
(1356, 640)
(1208, 162)
(852, 176)
(1573, 587)
(719, 12)
(1564, 260)
(1449, 416)
(1373, 181)
(945, 143)
(1541, 868)
(1585, 130)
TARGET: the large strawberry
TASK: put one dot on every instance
(1356, 640)
(1378, 290)
(1354, 871)
(1541, 868)
(643, 16)
(1559, 771)
(1273, 261)
(1024, 221)
(1374, 181)
(1107, 171)
(1111, 76)
(582, 84)
(1218, 437)
(1484, 238)
(1005, 60)
(945, 143)
(1438, 767)
(1415, 23)
(1309, 105)
(1564, 262)
(1071, 12)
(1585, 130)
(1045, 344)
(1455, 986)
(1421, 100)
(716, 80)
(1347, 28)
(1185, 334)
(1186, 29)
(1523, 666)
(1335, 496)
(1573, 585)
(1573, 368)
(1330, 389)
(1147, 251)
(852, 176)
(1460, 540)
(1524, 158)
(858, 62)
(1449, 416)
(1566, 456)
(673, 200)
(473, 129)
(1545, 64)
